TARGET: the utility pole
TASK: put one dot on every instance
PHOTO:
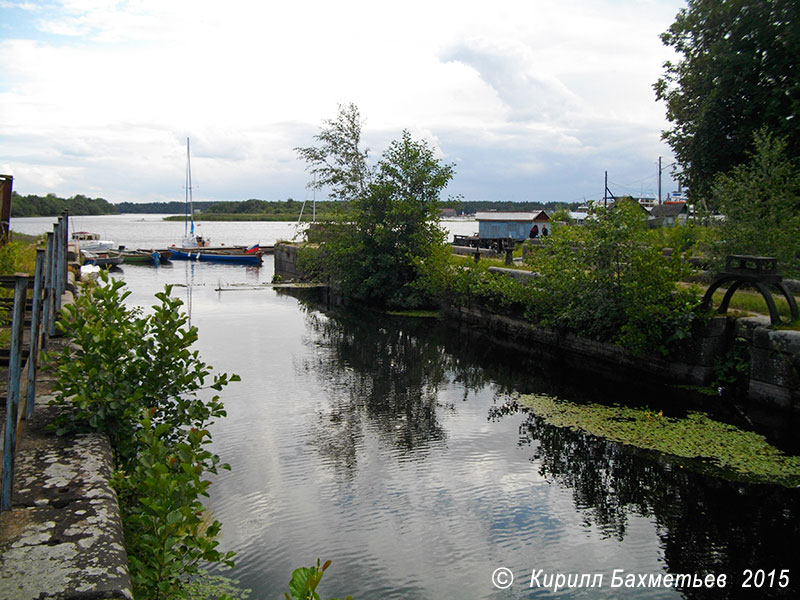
(607, 193)
(659, 180)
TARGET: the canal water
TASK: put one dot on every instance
(388, 445)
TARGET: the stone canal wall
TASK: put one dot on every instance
(63, 536)
(773, 355)
(774, 362)
(694, 367)
(286, 262)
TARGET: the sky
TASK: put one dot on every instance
(530, 100)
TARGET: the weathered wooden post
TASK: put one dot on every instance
(12, 399)
(33, 355)
(6, 184)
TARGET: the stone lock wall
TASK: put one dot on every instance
(286, 262)
(774, 363)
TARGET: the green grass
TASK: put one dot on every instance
(25, 238)
(707, 444)
(752, 302)
(417, 314)
(492, 262)
(18, 256)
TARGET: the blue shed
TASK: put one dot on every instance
(514, 225)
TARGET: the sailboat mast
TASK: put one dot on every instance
(189, 204)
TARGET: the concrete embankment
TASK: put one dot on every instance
(286, 257)
(63, 536)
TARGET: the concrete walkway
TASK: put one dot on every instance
(63, 538)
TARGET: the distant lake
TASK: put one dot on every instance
(385, 445)
(151, 231)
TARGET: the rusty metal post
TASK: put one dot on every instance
(33, 355)
(48, 318)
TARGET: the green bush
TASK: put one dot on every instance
(121, 361)
(602, 281)
(304, 582)
(166, 535)
(134, 377)
(761, 203)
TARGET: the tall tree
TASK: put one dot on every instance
(338, 162)
(761, 202)
(738, 72)
(376, 251)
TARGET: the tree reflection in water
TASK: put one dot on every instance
(387, 375)
(706, 524)
(383, 377)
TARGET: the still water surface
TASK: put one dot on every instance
(381, 443)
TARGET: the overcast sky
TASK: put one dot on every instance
(530, 99)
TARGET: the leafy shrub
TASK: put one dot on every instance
(135, 378)
(304, 583)
(602, 281)
(121, 361)
(605, 282)
(165, 533)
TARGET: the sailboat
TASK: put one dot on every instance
(196, 248)
(190, 240)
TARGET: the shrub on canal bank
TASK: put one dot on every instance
(601, 281)
(134, 377)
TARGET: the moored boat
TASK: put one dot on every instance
(91, 242)
(145, 257)
(103, 260)
(190, 238)
(226, 256)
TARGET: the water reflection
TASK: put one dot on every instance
(384, 378)
(706, 524)
(393, 380)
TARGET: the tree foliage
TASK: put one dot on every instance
(738, 72)
(761, 203)
(51, 205)
(600, 281)
(377, 249)
(337, 162)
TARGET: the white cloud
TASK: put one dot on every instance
(104, 90)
